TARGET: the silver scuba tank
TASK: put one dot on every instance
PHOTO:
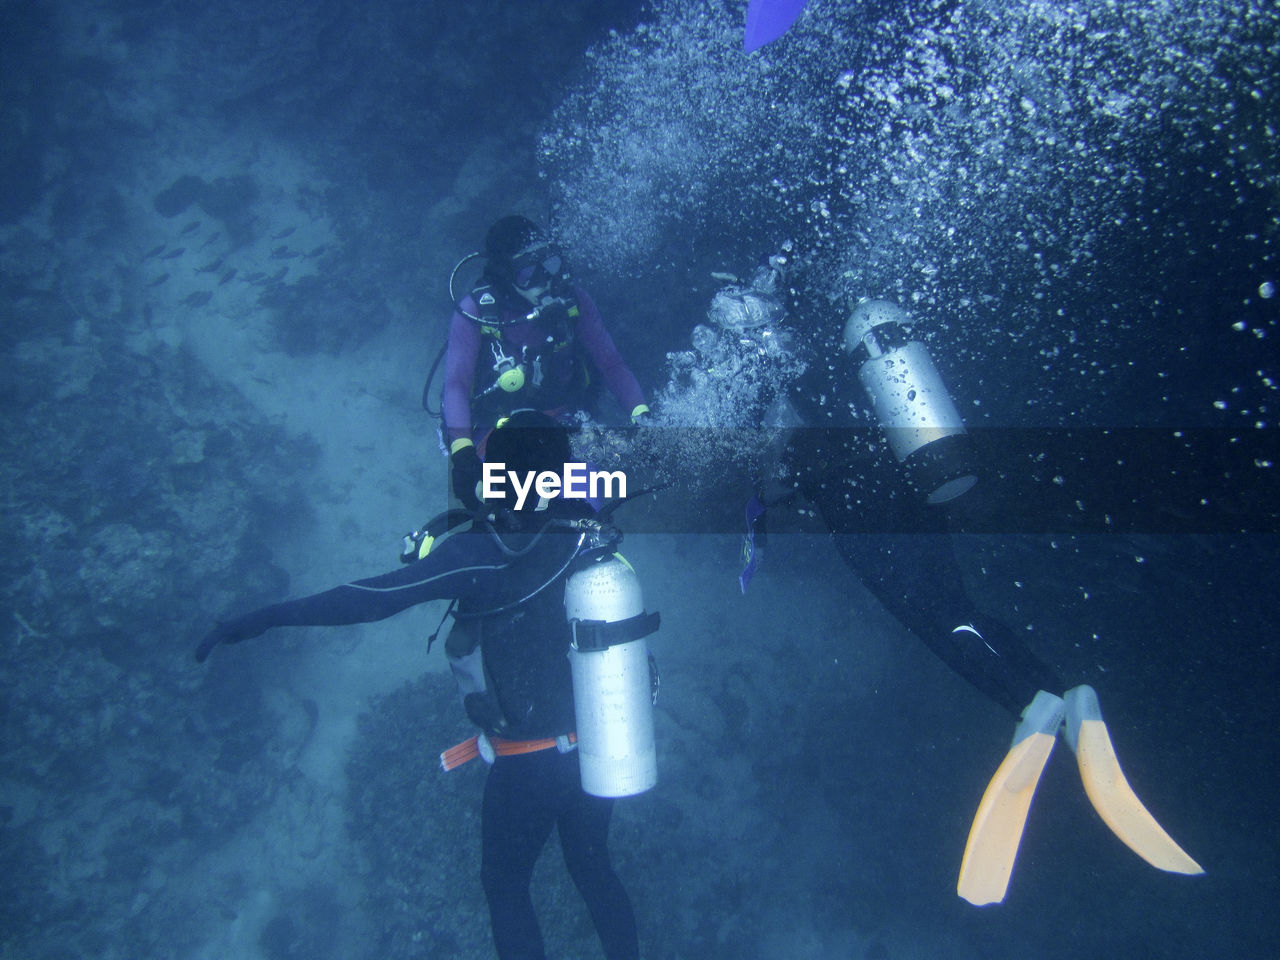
(612, 687)
(910, 402)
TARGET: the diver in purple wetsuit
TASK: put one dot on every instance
(526, 337)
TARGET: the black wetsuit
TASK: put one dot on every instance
(524, 651)
(900, 548)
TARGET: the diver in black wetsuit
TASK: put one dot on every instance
(519, 690)
(901, 550)
(881, 462)
(887, 524)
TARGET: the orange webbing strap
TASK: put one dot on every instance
(458, 755)
(469, 749)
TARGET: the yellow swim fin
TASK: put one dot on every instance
(1109, 791)
(1002, 814)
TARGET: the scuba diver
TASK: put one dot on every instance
(527, 336)
(564, 709)
(883, 464)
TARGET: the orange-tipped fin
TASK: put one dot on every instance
(997, 827)
(1109, 791)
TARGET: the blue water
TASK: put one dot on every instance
(227, 231)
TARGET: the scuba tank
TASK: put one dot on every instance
(613, 676)
(910, 402)
(613, 682)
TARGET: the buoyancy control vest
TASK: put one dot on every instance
(527, 356)
(514, 662)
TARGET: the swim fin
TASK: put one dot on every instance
(767, 20)
(1002, 813)
(1109, 791)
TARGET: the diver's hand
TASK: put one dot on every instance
(465, 473)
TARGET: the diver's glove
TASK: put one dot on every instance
(228, 632)
(465, 472)
(642, 416)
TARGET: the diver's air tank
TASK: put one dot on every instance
(910, 402)
(612, 685)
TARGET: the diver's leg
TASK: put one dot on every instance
(584, 838)
(917, 579)
(516, 820)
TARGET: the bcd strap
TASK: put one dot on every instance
(489, 315)
(440, 626)
(601, 634)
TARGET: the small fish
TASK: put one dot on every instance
(227, 276)
(193, 225)
(282, 253)
(154, 251)
(174, 253)
(158, 280)
(211, 266)
(211, 239)
(284, 233)
(198, 299)
(278, 276)
(318, 250)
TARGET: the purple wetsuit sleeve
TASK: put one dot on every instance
(459, 375)
(599, 346)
